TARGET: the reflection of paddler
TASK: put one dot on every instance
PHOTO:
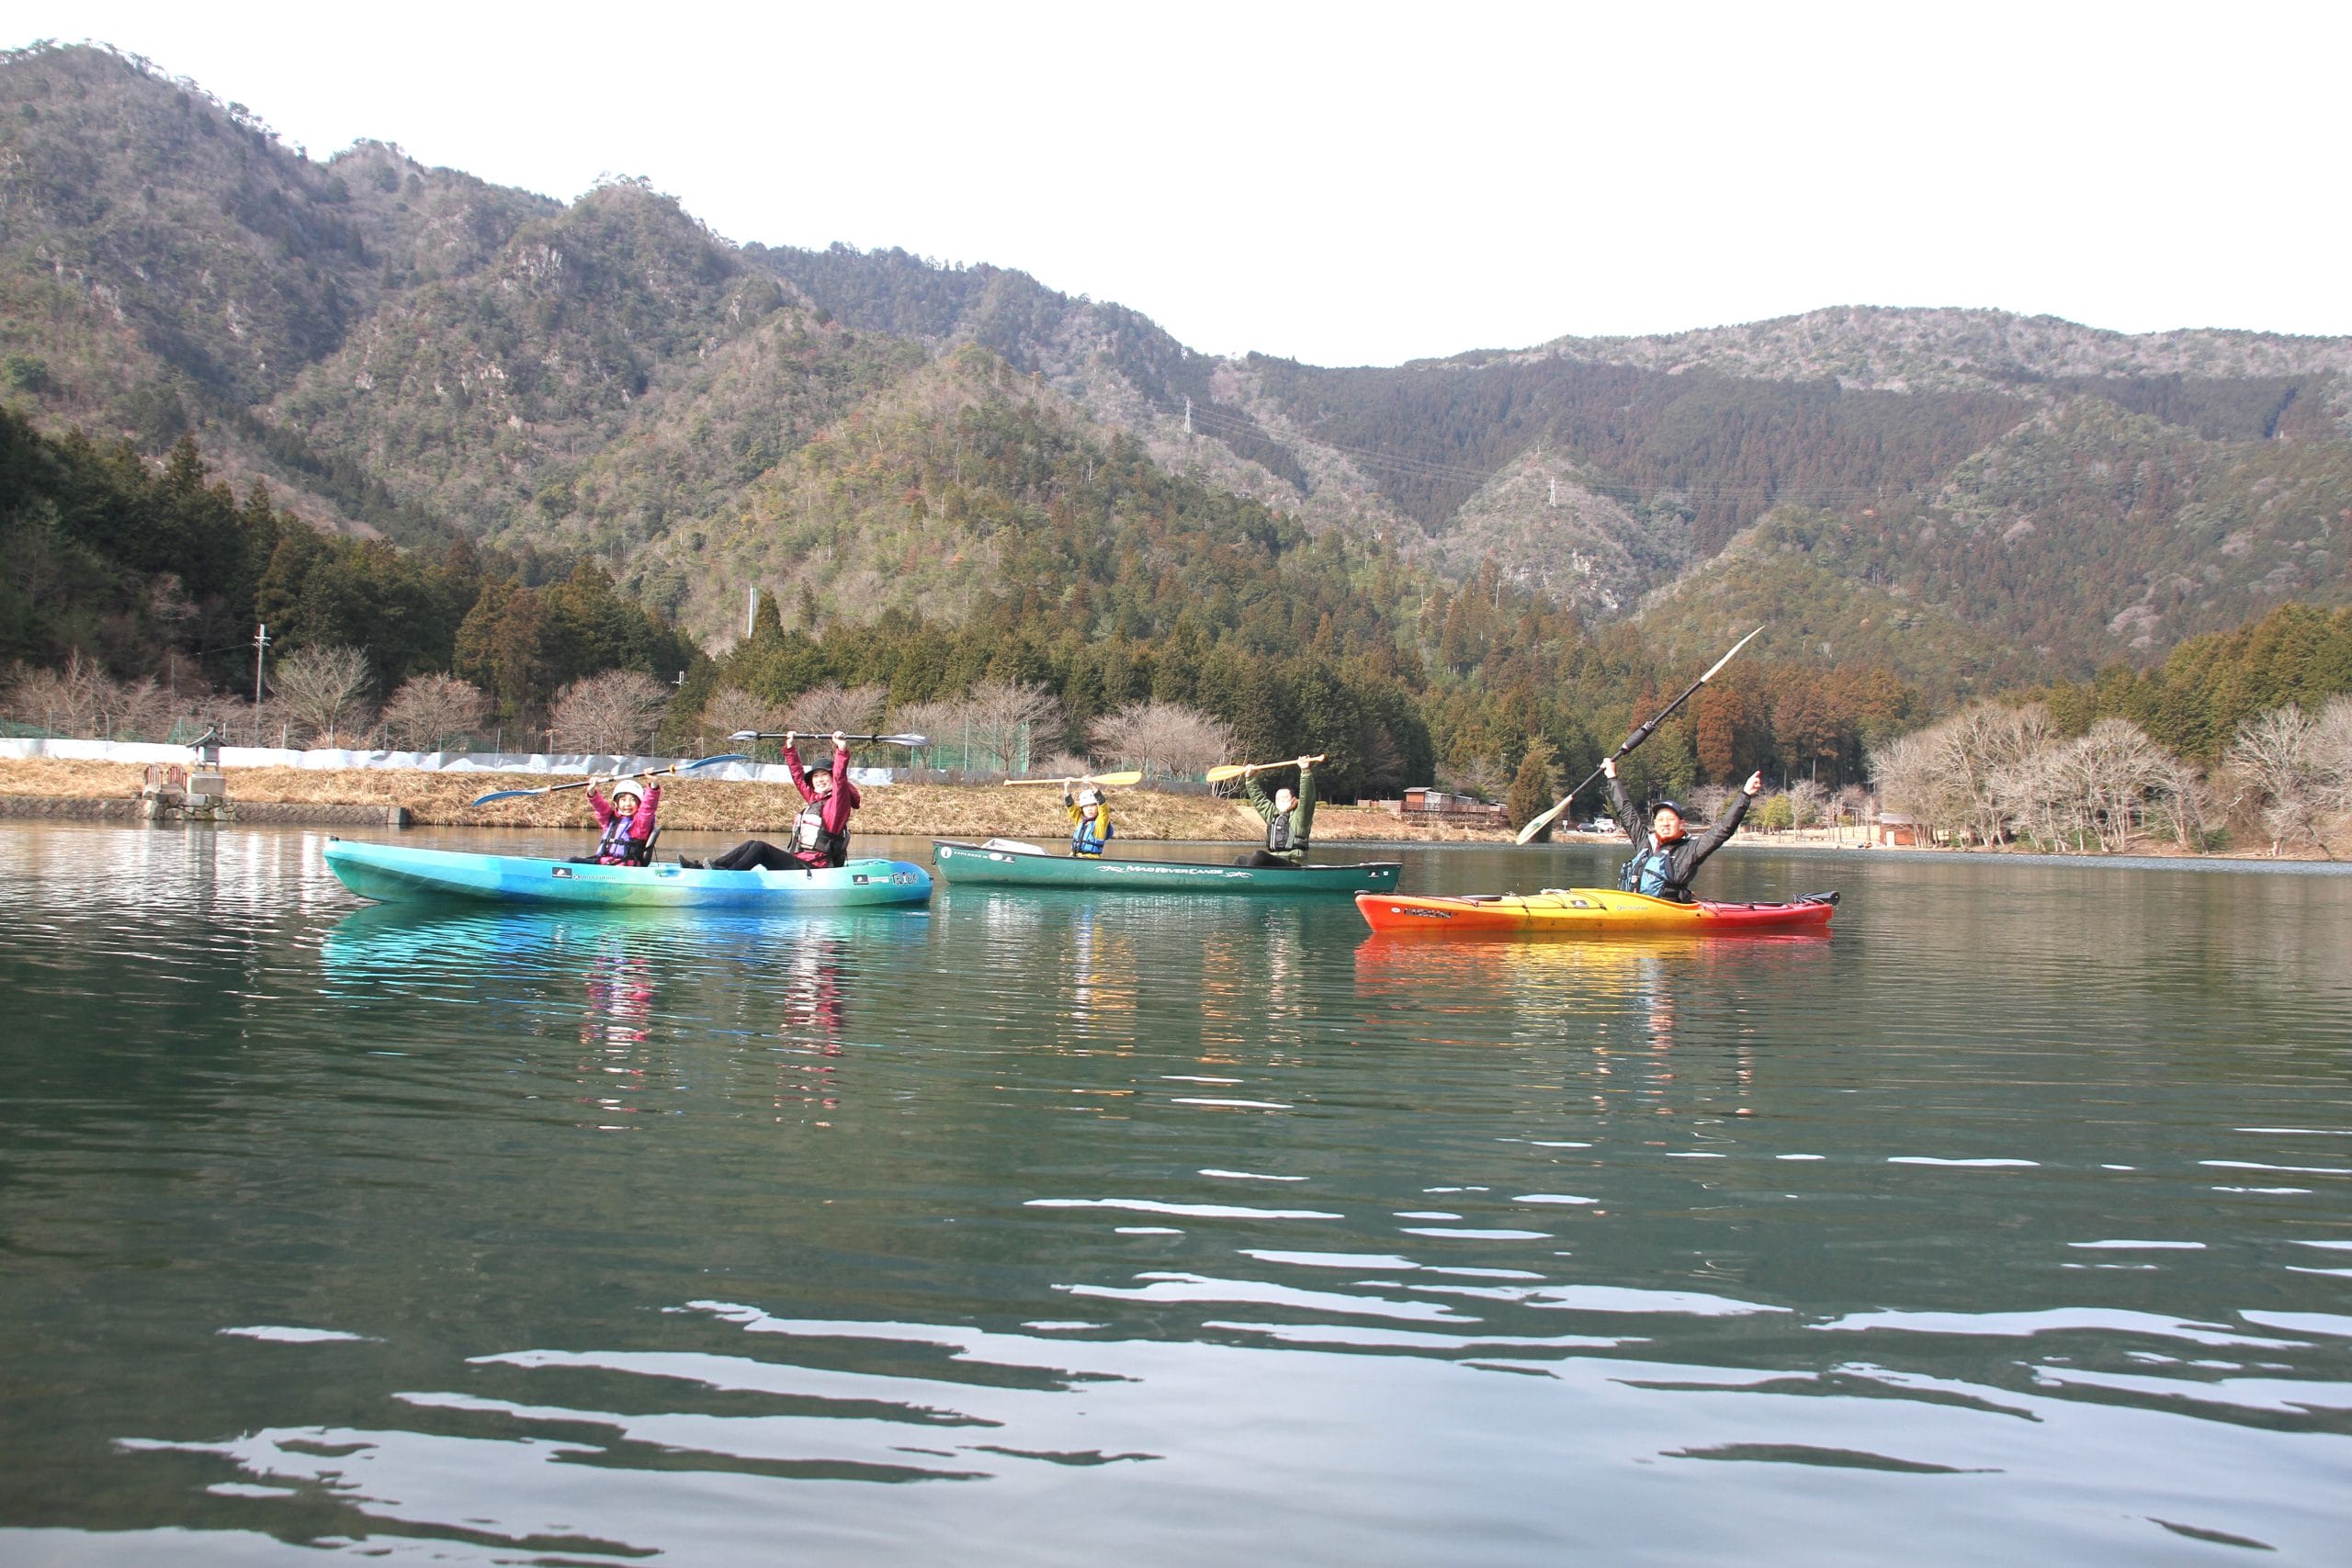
(814, 1002)
(620, 1001)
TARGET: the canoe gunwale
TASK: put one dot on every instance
(1007, 865)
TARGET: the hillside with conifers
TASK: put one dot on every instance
(474, 433)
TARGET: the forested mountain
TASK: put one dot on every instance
(1949, 501)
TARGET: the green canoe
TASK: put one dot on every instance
(1003, 863)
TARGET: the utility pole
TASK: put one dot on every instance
(1188, 416)
(1555, 489)
(751, 609)
(261, 650)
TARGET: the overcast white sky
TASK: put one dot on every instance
(1365, 184)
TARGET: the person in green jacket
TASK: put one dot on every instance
(1290, 817)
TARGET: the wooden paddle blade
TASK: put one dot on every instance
(1225, 771)
(1116, 781)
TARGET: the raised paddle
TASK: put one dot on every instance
(1537, 824)
(823, 735)
(1116, 780)
(1225, 771)
(583, 783)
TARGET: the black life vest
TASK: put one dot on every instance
(1278, 834)
(1651, 871)
(810, 837)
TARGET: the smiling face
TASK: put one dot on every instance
(821, 783)
(1667, 826)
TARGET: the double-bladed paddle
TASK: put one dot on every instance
(1225, 771)
(1114, 781)
(1537, 824)
(583, 783)
(821, 735)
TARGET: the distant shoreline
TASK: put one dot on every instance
(44, 788)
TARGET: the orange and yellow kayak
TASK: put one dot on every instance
(1585, 912)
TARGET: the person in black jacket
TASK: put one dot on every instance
(1664, 856)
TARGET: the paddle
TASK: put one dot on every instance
(583, 783)
(1225, 771)
(819, 734)
(1116, 780)
(1537, 824)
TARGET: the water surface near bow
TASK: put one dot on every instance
(2008, 1223)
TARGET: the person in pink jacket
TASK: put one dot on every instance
(624, 824)
(820, 833)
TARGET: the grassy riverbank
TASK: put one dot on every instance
(439, 799)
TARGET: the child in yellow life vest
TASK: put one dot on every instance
(1090, 821)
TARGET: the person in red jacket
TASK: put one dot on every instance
(820, 833)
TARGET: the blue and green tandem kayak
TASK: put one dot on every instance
(1005, 864)
(388, 872)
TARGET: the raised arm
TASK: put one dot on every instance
(1720, 834)
(792, 765)
(844, 798)
(1621, 807)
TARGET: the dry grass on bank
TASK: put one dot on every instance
(437, 799)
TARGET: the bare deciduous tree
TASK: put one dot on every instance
(730, 711)
(2276, 771)
(1481, 778)
(1004, 722)
(82, 699)
(428, 710)
(2331, 751)
(1163, 739)
(822, 710)
(1709, 800)
(1949, 776)
(615, 712)
(322, 693)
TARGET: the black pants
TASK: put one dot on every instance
(1267, 858)
(757, 854)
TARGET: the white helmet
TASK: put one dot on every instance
(1090, 796)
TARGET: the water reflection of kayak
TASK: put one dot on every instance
(390, 873)
(1006, 864)
(404, 939)
(1585, 912)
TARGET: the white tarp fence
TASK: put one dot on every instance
(430, 762)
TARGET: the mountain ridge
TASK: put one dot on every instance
(413, 351)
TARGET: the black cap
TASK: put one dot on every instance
(1673, 806)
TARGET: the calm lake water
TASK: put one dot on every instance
(2007, 1224)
